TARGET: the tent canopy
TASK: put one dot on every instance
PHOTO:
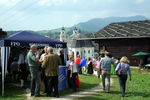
(24, 38)
(141, 54)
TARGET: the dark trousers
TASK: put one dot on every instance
(52, 83)
(73, 79)
(79, 69)
(122, 81)
(15, 73)
(44, 79)
(106, 80)
(23, 72)
(35, 80)
(68, 78)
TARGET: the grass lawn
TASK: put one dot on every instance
(16, 93)
(13, 93)
(137, 89)
(87, 82)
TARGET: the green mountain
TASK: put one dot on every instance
(96, 24)
(88, 27)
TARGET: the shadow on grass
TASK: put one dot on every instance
(114, 76)
(85, 74)
(93, 97)
(83, 86)
(138, 94)
(115, 92)
(129, 94)
(16, 92)
(12, 92)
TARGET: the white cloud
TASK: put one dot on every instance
(50, 2)
(75, 19)
(9, 2)
(17, 15)
(140, 1)
(106, 1)
(75, 1)
(112, 1)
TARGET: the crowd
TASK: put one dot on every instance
(44, 68)
(105, 65)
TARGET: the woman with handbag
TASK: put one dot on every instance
(122, 70)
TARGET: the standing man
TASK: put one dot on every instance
(62, 57)
(51, 64)
(105, 65)
(33, 62)
(22, 67)
(43, 77)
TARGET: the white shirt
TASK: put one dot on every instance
(42, 56)
(21, 59)
(74, 67)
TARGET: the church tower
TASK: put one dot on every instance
(63, 36)
(75, 31)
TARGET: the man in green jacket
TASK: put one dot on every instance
(34, 65)
(51, 64)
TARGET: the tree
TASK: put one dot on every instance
(2, 33)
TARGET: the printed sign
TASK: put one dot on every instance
(15, 44)
(59, 45)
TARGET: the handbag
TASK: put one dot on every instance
(77, 82)
(119, 72)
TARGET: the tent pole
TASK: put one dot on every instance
(3, 50)
(65, 54)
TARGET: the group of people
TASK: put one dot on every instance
(106, 65)
(41, 67)
(45, 68)
(49, 64)
(122, 69)
(72, 72)
(19, 69)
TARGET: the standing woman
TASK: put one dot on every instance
(123, 69)
(90, 66)
(97, 67)
(68, 71)
(73, 74)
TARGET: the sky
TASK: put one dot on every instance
(51, 14)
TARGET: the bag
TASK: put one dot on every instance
(100, 70)
(119, 72)
(77, 82)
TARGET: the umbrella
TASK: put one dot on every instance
(95, 53)
(141, 54)
(147, 65)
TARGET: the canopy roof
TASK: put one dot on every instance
(141, 54)
(24, 38)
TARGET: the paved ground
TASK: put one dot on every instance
(95, 90)
(87, 92)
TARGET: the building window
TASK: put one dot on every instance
(77, 53)
(72, 53)
(89, 51)
(84, 51)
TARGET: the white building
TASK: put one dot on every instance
(63, 36)
(77, 45)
